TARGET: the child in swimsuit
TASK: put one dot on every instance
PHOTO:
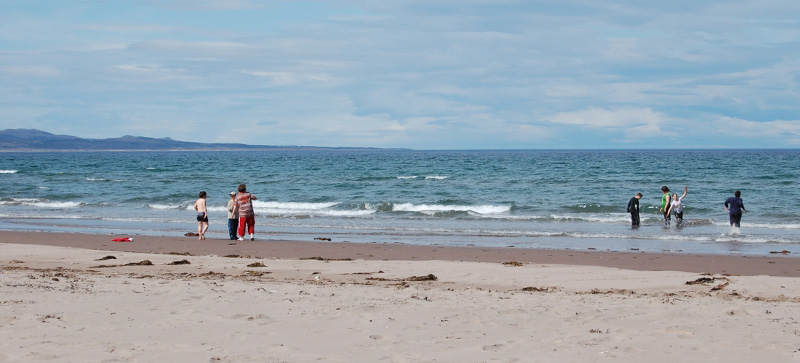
(202, 215)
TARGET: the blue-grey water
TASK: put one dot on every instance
(536, 199)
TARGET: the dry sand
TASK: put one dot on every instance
(368, 303)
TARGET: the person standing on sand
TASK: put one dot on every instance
(735, 205)
(633, 209)
(665, 202)
(247, 218)
(202, 215)
(233, 216)
(677, 207)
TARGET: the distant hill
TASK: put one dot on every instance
(37, 140)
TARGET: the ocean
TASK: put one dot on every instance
(516, 199)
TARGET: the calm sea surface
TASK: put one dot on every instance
(538, 199)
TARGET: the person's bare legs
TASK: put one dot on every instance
(203, 229)
(199, 230)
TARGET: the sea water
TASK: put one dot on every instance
(524, 199)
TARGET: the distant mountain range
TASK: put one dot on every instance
(37, 140)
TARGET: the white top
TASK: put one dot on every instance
(676, 205)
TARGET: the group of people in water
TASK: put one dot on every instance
(240, 214)
(240, 211)
(673, 204)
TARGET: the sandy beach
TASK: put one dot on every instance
(73, 297)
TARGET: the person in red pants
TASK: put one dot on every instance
(247, 218)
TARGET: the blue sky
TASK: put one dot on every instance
(467, 74)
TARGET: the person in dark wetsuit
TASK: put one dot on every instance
(633, 209)
(735, 205)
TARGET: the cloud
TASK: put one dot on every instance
(32, 71)
(641, 119)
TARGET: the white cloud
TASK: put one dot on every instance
(643, 118)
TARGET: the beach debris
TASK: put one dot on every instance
(706, 280)
(597, 331)
(539, 289)
(256, 264)
(124, 239)
(180, 262)
(140, 263)
(15, 261)
(320, 258)
(721, 286)
(784, 252)
(322, 239)
(191, 234)
(513, 264)
(256, 273)
(711, 280)
(428, 277)
(701, 281)
(232, 256)
(109, 257)
(608, 292)
(180, 254)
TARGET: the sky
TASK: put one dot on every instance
(420, 74)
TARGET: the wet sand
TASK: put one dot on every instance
(773, 265)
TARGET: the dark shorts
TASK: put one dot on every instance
(736, 219)
(201, 217)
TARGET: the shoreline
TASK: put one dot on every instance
(742, 265)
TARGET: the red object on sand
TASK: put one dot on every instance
(126, 239)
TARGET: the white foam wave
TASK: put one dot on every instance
(437, 208)
(257, 204)
(167, 206)
(307, 209)
(435, 177)
(8, 171)
(55, 205)
(726, 223)
(600, 218)
(407, 177)
(40, 203)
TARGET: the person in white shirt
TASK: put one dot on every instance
(677, 207)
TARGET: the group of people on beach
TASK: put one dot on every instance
(673, 204)
(240, 214)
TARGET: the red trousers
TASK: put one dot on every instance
(249, 221)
